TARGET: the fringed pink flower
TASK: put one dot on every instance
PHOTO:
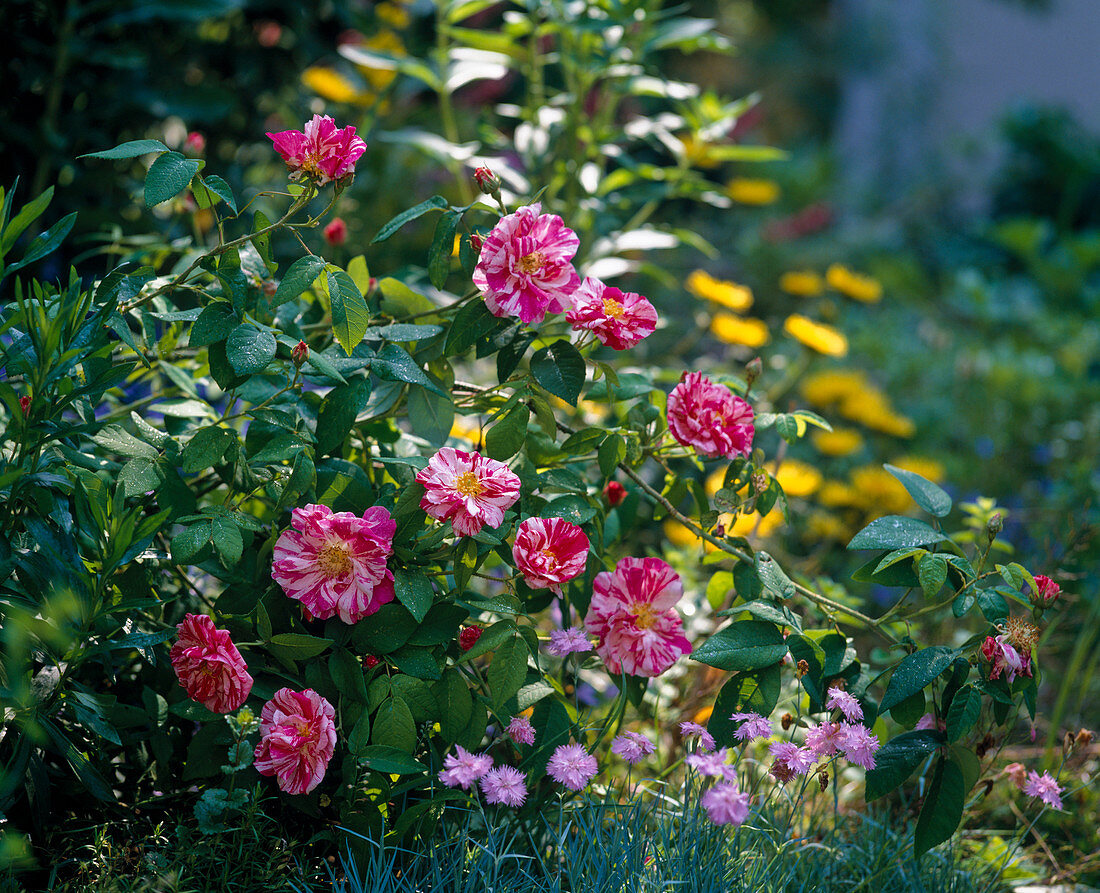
(335, 563)
(323, 152)
(297, 739)
(549, 552)
(520, 730)
(564, 642)
(689, 730)
(1045, 787)
(571, 765)
(790, 760)
(633, 613)
(858, 744)
(710, 417)
(505, 785)
(462, 768)
(619, 319)
(525, 267)
(726, 804)
(467, 489)
(209, 666)
(633, 747)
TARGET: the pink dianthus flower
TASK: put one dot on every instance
(619, 319)
(505, 785)
(467, 489)
(520, 730)
(571, 765)
(209, 666)
(633, 747)
(564, 642)
(790, 760)
(1045, 788)
(726, 804)
(689, 730)
(335, 563)
(824, 740)
(321, 152)
(712, 764)
(753, 725)
(549, 552)
(297, 739)
(462, 768)
(710, 417)
(525, 267)
(633, 615)
(858, 744)
(840, 700)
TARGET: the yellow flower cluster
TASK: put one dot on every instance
(748, 191)
(816, 335)
(730, 295)
(874, 491)
(860, 288)
(857, 400)
(330, 84)
(803, 283)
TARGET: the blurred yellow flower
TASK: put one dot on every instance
(466, 429)
(832, 385)
(697, 152)
(390, 44)
(797, 478)
(393, 15)
(862, 288)
(805, 283)
(714, 481)
(744, 524)
(679, 535)
(702, 715)
(732, 329)
(816, 335)
(729, 294)
(824, 526)
(331, 85)
(879, 492)
(837, 494)
(838, 442)
(922, 465)
(872, 409)
(752, 191)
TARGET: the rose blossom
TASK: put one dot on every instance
(462, 768)
(619, 319)
(468, 636)
(323, 152)
(335, 563)
(726, 804)
(209, 666)
(632, 613)
(1047, 593)
(505, 785)
(710, 417)
(571, 765)
(525, 268)
(549, 552)
(467, 489)
(520, 730)
(632, 747)
(1003, 656)
(564, 642)
(297, 739)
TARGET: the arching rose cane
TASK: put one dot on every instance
(209, 666)
(633, 613)
(335, 563)
(297, 739)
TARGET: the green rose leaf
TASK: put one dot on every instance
(506, 437)
(929, 496)
(168, 176)
(132, 149)
(943, 807)
(560, 369)
(745, 646)
(249, 349)
(350, 314)
(915, 672)
(896, 532)
(300, 275)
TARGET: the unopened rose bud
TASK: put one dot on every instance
(719, 529)
(195, 144)
(370, 661)
(25, 405)
(468, 637)
(753, 369)
(996, 525)
(1047, 594)
(476, 241)
(336, 232)
(614, 493)
(299, 354)
(487, 181)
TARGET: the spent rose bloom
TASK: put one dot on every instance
(209, 666)
(619, 319)
(467, 489)
(321, 152)
(564, 642)
(462, 768)
(840, 700)
(753, 725)
(297, 739)
(710, 417)
(633, 614)
(858, 744)
(571, 765)
(549, 552)
(335, 563)
(1016, 773)
(689, 730)
(1045, 788)
(521, 731)
(726, 804)
(505, 785)
(525, 267)
(632, 747)
(1003, 656)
